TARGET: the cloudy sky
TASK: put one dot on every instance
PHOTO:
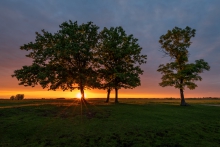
(147, 20)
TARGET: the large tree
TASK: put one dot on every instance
(119, 57)
(61, 60)
(180, 73)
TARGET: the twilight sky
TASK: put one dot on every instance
(147, 20)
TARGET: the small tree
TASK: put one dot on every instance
(119, 57)
(61, 60)
(19, 97)
(180, 73)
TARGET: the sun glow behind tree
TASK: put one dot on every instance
(79, 95)
(61, 60)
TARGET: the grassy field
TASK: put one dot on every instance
(132, 122)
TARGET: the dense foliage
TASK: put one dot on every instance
(119, 57)
(180, 73)
(61, 60)
(77, 56)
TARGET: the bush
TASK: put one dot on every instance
(19, 97)
(12, 97)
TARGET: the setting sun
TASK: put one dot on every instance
(78, 95)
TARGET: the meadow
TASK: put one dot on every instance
(132, 122)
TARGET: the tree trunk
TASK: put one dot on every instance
(108, 95)
(183, 103)
(82, 95)
(116, 95)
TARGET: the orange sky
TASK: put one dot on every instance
(149, 89)
(11, 87)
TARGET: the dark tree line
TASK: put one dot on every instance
(80, 57)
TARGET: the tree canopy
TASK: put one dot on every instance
(61, 60)
(119, 57)
(80, 57)
(180, 73)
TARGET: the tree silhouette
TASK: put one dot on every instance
(61, 60)
(180, 73)
(119, 57)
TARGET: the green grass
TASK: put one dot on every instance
(133, 122)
